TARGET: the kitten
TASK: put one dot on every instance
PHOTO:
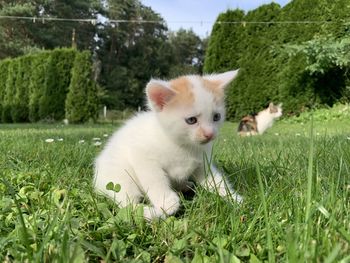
(254, 124)
(158, 151)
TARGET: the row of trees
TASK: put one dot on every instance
(126, 55)
(301, 64)
(50, 85)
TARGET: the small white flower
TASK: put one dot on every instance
(81, 141)
(277, 134)
(60, 139)
(49, 140)
(98, 143)
(96, 139)
(105, 135)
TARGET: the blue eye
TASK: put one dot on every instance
(191, 120)
(217, 117)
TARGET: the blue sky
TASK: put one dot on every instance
(200, 15)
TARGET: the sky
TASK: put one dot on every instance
(200, 15)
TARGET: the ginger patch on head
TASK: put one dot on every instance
(184, 94)
(213, 86)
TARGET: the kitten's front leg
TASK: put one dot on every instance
(215, 182)
(156, 187)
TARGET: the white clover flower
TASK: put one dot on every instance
(96, 139)
(105, 135)
(60, 139)
(81, 141)
(49, 140)
(97, 143)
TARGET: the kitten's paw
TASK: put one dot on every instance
(171, 203)
(150, 213)
(168, 205)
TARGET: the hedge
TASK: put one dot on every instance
(267, 71)
(35, 87)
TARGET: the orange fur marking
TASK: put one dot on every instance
(184, 95)
(214, 88)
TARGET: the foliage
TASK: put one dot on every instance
(81, 101)
(276, 58)
(188, 55)
(4, 65)
(57, 80)
(49, 186)
(125, 55)
(19, 110)
(34, 87)
(37, 83)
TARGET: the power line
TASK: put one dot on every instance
(94, 21)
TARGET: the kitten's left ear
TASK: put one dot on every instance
(223, 79)
(159, 94)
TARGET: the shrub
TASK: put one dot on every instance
(81, 101)
(37, 83)
(19, 109)
(3, 78)
(58, 76)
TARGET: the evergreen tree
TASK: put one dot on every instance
(4, 64)
(10, 90)
(58, 76)
(19, 110)
(37, 83)
(81, 102)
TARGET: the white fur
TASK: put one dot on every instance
(265, 118)
(157, 151)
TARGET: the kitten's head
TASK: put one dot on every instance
(190, 108)
(275, 110)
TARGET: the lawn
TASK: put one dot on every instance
(295, 181)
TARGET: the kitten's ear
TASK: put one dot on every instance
(222, 78)
(159, 94)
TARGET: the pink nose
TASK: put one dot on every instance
(208, 135)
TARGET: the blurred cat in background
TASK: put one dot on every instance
(254, 124)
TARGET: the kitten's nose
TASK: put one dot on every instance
(208, 135)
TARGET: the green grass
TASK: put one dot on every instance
(296, 185)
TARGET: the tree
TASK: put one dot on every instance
(37, 83)
(58, 76)
(130, 53)
(20, 36)
(15, 36)
(4, 65)
(260, 50)
(19, 110)
(81, 101)
(188, 53)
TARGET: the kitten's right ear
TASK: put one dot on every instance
(159, 94)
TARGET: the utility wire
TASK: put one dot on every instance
(94, 21)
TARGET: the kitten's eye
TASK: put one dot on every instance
(191, 120)
(217, 117)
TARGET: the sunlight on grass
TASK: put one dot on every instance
(296, 200)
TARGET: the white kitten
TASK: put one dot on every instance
(160, 150)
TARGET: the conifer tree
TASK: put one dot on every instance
(81, 102)
(58, 76)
